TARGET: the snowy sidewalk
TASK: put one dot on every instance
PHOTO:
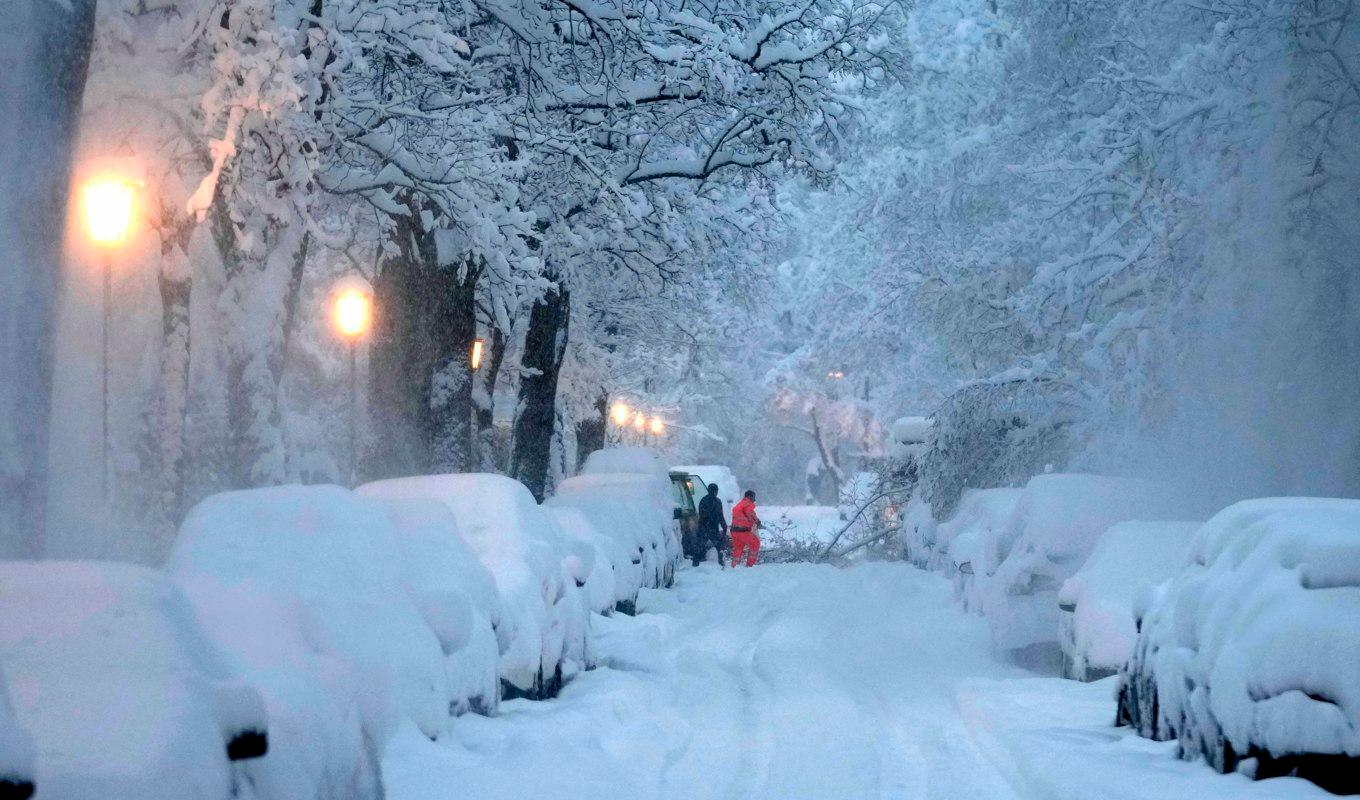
(792, 682)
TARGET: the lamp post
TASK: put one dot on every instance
(619, 414)
(107, 202)
(475, 358)
(353, 313)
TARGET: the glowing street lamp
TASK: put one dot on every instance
(658, 426)
(106, 201)
(476, 358)
(353, 315)
(640, 422)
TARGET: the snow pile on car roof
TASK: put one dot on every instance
(1250, 656)
(123, 694)
(635, 460)
(1097, 602)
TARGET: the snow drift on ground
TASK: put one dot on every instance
(521, 546)
(123, 694)
(1096, 604)
(1252, 651)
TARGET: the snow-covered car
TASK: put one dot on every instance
(1095, 606)
(598, 583)
(968, 537)
(544, 623)
(1050, 533)
(121, 691)
(457, 596)
(16, 752)
(626, 494)
(302, 587)
(1250, 655)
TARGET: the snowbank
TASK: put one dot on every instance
(1096, 604)
(1053, 528)
(1250, 655)
(456, 595)
(303, 587)
(521, 546)
(123, 694)
(16, 750)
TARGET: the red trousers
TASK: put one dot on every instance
(748, 542)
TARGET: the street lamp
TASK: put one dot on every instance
(476, 358)
(107, 203)
(353, 314)
(658, 426)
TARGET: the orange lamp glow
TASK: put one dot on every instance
(353, 313)
(620, 413)
(640, 422)
(477, 346)
(107, 203)
(658, 426)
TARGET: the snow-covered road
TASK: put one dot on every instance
(798, 681)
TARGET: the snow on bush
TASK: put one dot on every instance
(319, 569)
(122, 692)
(909, 435)
(1053, 528)
(521, 546)
(16, 750)
(920, 537)
(1096, 604)
(457, 596)
(1250, 655)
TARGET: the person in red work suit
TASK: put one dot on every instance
(743, 530)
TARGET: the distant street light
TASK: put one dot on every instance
(620, 413)
(353, 315)
(658, 426)
(476, 359)
(835, 374)
(107, 202)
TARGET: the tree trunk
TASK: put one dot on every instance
(176, 286)
(420, 371)
(44, 56)
(545, 345)
(590, 432)
(264, 312)
(486, 404)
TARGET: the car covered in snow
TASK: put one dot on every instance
(456, 595)
(122, 693)
(729, 491)
(1249, 656)
(303, 588)
(627, 495)
(1095, 606)
(1053, 528)
(966, 540)
(544, 620)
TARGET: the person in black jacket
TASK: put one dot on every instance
(712, 528)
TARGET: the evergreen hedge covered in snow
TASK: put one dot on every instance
(1250, 656)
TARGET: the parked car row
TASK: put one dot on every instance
(1238, 637)
(294, 629)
